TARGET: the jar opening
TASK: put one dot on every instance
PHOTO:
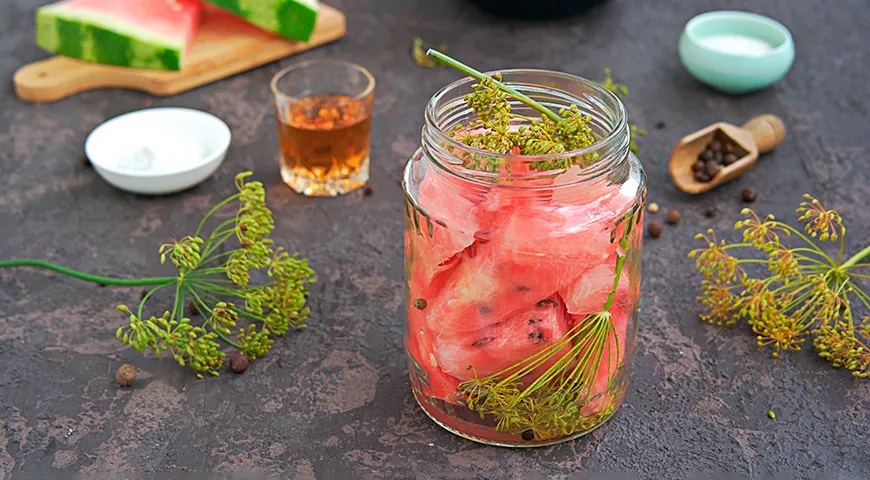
(447, 109)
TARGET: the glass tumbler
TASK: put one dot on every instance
(323, 110)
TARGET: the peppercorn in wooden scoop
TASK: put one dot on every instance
(721, 152)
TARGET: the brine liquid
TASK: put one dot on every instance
(325, 141)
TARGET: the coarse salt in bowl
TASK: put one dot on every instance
(736, 52)
(158, 151)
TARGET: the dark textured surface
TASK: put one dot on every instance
(334, 401)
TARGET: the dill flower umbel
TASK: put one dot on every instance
(806, 292)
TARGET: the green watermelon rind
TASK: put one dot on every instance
(293, 19)
(102, 39)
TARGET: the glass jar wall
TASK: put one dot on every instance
(523, 280)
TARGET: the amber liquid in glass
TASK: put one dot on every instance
(325, 141)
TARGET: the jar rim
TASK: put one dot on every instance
(612, 136)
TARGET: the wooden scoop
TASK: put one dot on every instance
(759, 135)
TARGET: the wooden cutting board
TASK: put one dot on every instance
(224, 46)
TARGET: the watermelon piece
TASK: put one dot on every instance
(589, 292)
(419, 344)
(293, 19)
(524, 257)
(452, 227)
(483, 290)
(147, 34)
(497, 347)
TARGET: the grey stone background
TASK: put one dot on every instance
(334, 400)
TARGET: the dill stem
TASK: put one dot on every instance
(211, 247)
(865, 299)
(813, 260)
(118, 282)
(223, 337)
(842, 247)
(620, 262)
(148, 295)
(816, 248)
(471, 72)
(220, 289)
(213, 211)
(178, 307)
(856, 258)
(212, 258)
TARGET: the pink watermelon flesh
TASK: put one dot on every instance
(149, 34)
(498, 347)
(589, 292)
(523, 259)
(453, 226)
(507, 250)
(419, 342)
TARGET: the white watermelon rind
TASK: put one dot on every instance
(75, 32)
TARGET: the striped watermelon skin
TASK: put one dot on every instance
(145, 34)
(293, 19)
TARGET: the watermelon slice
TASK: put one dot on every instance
(449, 229)
(589, 292)
(293, 19)
(492, 349)
(422, 362)
(148, 34)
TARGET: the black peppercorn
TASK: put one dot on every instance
(655, 229)
(715, 145)
(673, 217)
(711, 168)
(238, 363)
(710, 212)
(192, 308)
(697, 166)
(528, 435)
(368, 192)
(707, 155)
(729, 158)
(749, 195)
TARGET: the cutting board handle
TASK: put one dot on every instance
(57, 77)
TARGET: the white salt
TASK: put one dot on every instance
(737, 45)
(166, 155)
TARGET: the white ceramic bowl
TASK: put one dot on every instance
(158, 151)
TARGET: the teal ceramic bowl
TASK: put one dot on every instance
(736, 52)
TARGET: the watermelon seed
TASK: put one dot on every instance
(522, 288)
(547, 301)
(420, 304)
(534, 320)
(537, 337)
(482, 342)
(484, 309)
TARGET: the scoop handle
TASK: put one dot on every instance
(767, 131)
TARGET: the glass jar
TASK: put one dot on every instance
(522, 283)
